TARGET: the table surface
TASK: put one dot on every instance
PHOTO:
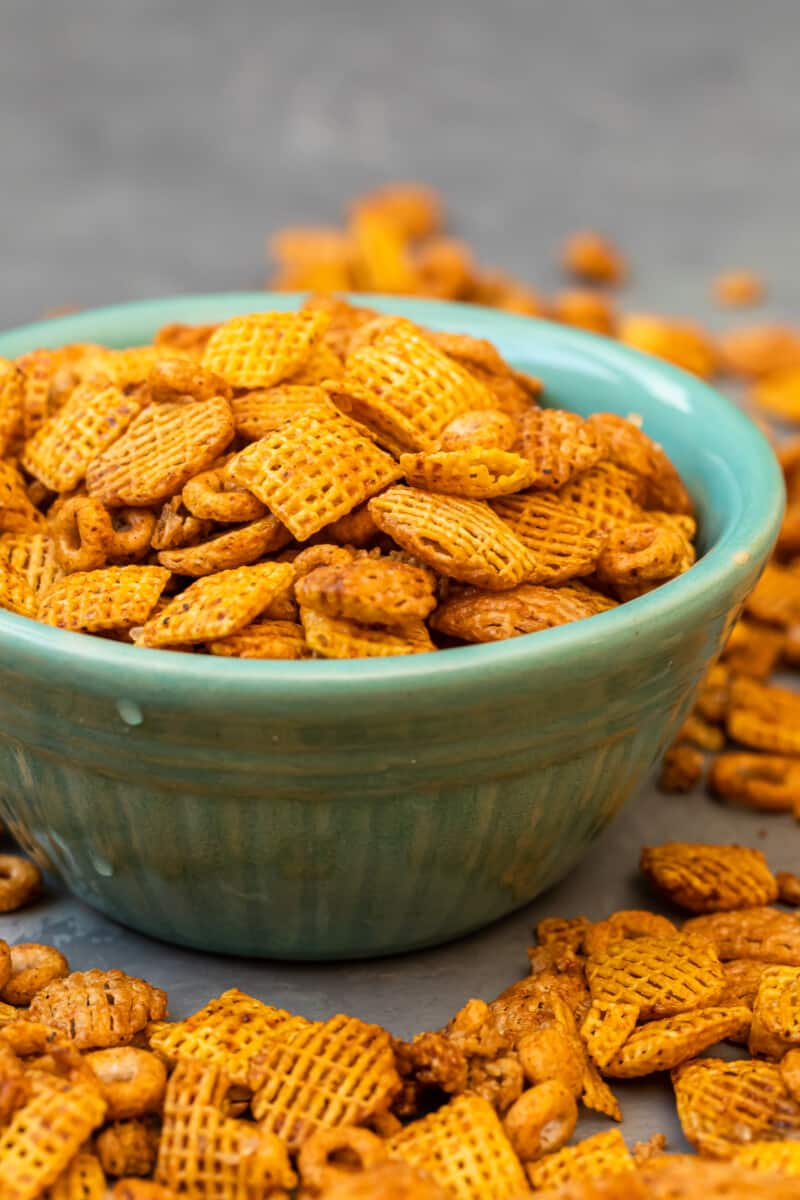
(149, 147)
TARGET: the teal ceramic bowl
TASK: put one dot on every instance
(333, 809)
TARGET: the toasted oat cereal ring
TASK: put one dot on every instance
(763, 933)
(487, 428)
(128, 1147)
(212, 497)
(461, 538)
(475, 472)
(160, 451)
(173, 380)
(640, 553)
(547, 1054)
(175, 527)
(764, 717)
(20, 882)
(337, 637)
(604, 1154)
(32, 968)
(592, 256)
(16, 594)
(542, 1120)
(627, 923)
(12, 384)
(17, 514)
(769, 782)
(317, 1165)
(82, 533)
(682, 343)
(108, 599)
(479, 616)
(662, 1045)
(216, 606)
(564, 543)
(261, 349)
(606, 1028)
(706, 878)
(722, 1105)
(263, 639)
(558, 445)
(132, 529)
(320, 555)
(133, 1081)
(237, 547)
(373, 591)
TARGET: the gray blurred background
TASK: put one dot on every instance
(149, 146)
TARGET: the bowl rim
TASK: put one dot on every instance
(78, 656)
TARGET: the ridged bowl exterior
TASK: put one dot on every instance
(331, 810)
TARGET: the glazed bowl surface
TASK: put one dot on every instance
(332, 809)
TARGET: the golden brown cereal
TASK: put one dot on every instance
(444, 268)
(236, 547)
(175, 527)
(704, 878)
(461, 538)
(257, 413)
(781, 1157)
(764, 717)
(594, 1157)
(312, 470)
(261, 349)
(338, 637)
(664, 976)
(790, 1072)
(680, 342)
(788, 887)
(325, 1074)
(216, 605)
(541, 1121)
(429, 1060)
(477, 472)
(93, 418)
(17, 514)
(759, 350)
(606, 495)
(763, 933)
(558, 445)
(768, 782)
(357, 1150)
(383, 263)
(488, 428)
(355, 529)
(477, 616)
(779, 394)
(776, 1013)
(403, 386)
(585, 309)
(641, 553)
(140, 1189)
(211, 496)
(737, 289)
(414, 209)
(562, 931)
(498, 1080)
(564, 543)
(12, 385)
(128, 1147)
(548, 1053)
(160, 451)
(83, 1179)
(592, 256)
(369, 590)
(32, 968)
(32, 555)
(45, 1134)
(701, 733)
(98, 1009)
(132, 532)
(317, 259)
(14, 1083)
(179, 379)
(742, 977)
(263, 639)
(463, 1148)
(661, 1045)
(82, 534)
(132, 1081)
(681, 768)
(627, 923)
(776, 597)
(322, 366)
(606, 1028)
(16, 594)
(20, 882)
(753, 649)
(500, 290)
(722, 1105)
(113, 598)
(38, 368)
(679, 1177)
(203, 1153)
(629, 447)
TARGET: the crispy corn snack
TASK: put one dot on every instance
(83, 534)
(722, 1105)
(488, 428)
(564, 544)
(626, 923)
(216, 605)
(593, 1158)
(607, 1028)
(338, 637)
(630, 448)
(84, 1179)
(776, 1013)
(606, 495)
(325, 1074)
(764, 717)
(262, 349)
(769, 782)
(98, 1008)
(742, 979)
(312, 470)
(209, 1156)
(681, 768)
(33, 556)
(776, 597)
(369, 590)
(257, 413)
(541, 1121)
(592, 256)
(211, 496)
(176, 379)
(128, 1147)
(236, 547)
(478, 616)
(17, 514)
(16, 594)
(475, 472)
(762, 933)
(114, 598)
(709, 878)
(463, 1148)
(160, 451)
(558, 445)
(461, 538)
(95, 415)
(642, 553)
(664, 976)
(661, 1045)
(333, 1155)
(132, 1081)
(263, 639)
(753, 649)
(12, 388)
(700, 732)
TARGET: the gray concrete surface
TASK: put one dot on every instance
(148, 147)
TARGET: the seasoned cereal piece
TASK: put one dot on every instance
(216, 606)
(464, 1148)
(585, 309)
(564, 544)
(679, 342)
(160, 451)
(753, 649)
(261, 349)
(606, 495)
(558, 445)
(32, 555)
(383, 262)
(182, 379)
(686, 1177)
(607, 1028)
(757, 350)
(701, 733)
(338, 637)
(788, 887)
(641, 553)
(94, 416)
(626, 923)
(461, 538)
(12, 385)
(475, 472)
(779, 394)
(568, 932)
(664, 976)
(763, 933)
(132, 1080)
(414, 209)
(593, 1158)
(722, 1105)
(33, 967)
(629, 447)
(128, 1147)
(742, 978)
(263, 639)
(768, 782)
(428, 1061)
(16, 594)
(764, 717)
(541, 1121)
(488, 428)
(38, 368)
(212, 496)
(478, 616)
(549, 1053)
(662, 1045)
(776, 597)
(113, 598)
(325, 1074)
(681, 769)
(236, 547)
(83, 534)
(594, 257)
(315, 468)
(140, 1189)
(257, 413)
(776, 1013)
(83, 1179)
(403, 386)
(781, 1157)
(176, 527)
(98, 1009)
(706, 878)
(369, 590)
(17, 514)
(332, 1155)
